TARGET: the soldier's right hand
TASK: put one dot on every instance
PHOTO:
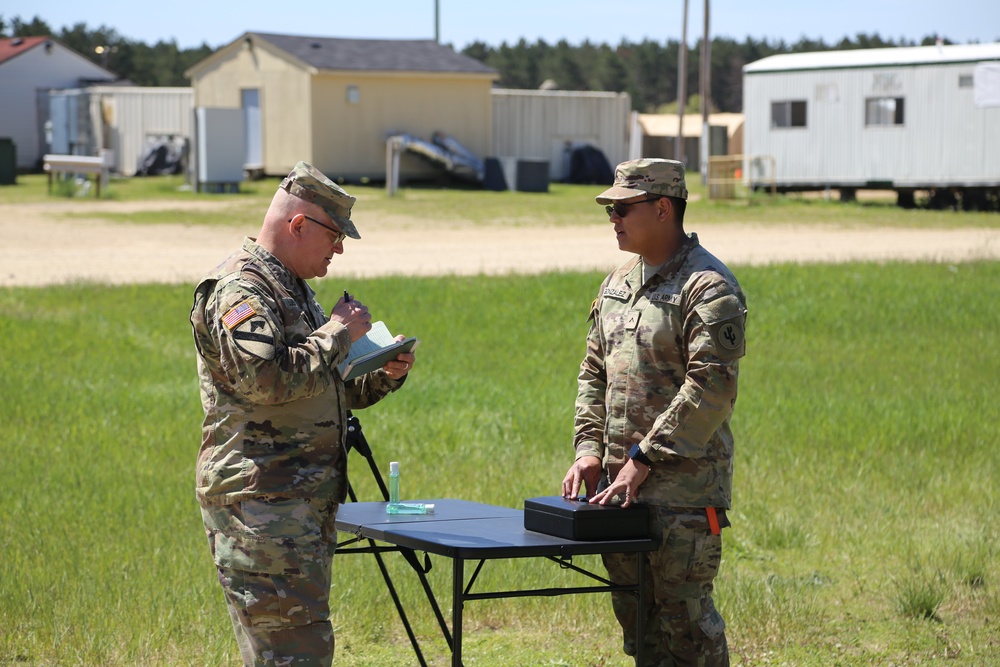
(584, 471)
(354, 315)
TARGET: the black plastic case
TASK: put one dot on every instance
(579, 520)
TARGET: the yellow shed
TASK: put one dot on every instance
(334, 102)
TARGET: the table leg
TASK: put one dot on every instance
(457, 600)
(640, 620)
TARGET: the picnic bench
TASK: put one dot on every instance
(77, 164)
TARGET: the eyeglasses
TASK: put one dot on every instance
(340, 235)
(621, 208)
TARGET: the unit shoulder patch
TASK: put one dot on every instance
(255, 337)
(724, 318)
(729, 336)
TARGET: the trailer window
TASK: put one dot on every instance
(884, 111)
(790, 113)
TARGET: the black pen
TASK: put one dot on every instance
(347, 297)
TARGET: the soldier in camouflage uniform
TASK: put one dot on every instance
(656, 390)
(272, 469)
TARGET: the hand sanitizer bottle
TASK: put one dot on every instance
(397, 507)
(393, 482)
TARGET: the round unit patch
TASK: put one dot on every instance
(730, 336)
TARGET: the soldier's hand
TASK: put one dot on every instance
(401, 365)
(585, 470)
(354, 315)
(627, 483)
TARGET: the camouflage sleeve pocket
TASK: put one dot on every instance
(724, 318)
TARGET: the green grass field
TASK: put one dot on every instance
(865, 519)
(563, 205)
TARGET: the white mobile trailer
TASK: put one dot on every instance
(120, 120)
(908, 118)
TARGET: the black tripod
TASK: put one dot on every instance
(356, 441)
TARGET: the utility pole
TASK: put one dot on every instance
(682, 88)
(437, 21)
(706, 97)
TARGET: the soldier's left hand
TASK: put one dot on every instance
(401, 365)
(627, 483)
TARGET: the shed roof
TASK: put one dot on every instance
(665, 124)
(856, 58)
(332, 53)
(13, 46)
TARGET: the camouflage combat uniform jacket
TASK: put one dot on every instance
(275, 405)
(660, 371)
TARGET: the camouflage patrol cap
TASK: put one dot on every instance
(307, 182)
(654, 176)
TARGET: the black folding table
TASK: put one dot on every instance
(468, 531)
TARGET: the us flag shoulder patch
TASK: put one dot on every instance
(237, 314)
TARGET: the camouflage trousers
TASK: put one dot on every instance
(682, 626)
(274, 558)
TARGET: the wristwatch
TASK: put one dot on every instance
(636, 455)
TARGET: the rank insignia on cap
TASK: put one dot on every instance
(239, 313)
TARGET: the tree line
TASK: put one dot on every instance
(648, 70)
(162, 64)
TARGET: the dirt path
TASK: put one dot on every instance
(42, 247)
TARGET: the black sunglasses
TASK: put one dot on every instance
(340, 235)
(621, 208)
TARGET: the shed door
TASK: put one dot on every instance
(57, 131)
(251, 117)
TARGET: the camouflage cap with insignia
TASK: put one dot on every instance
(655, 176)
(307, 182)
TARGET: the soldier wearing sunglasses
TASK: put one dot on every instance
(657, 386)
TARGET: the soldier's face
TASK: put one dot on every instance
(318, 244)
(640, 230)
